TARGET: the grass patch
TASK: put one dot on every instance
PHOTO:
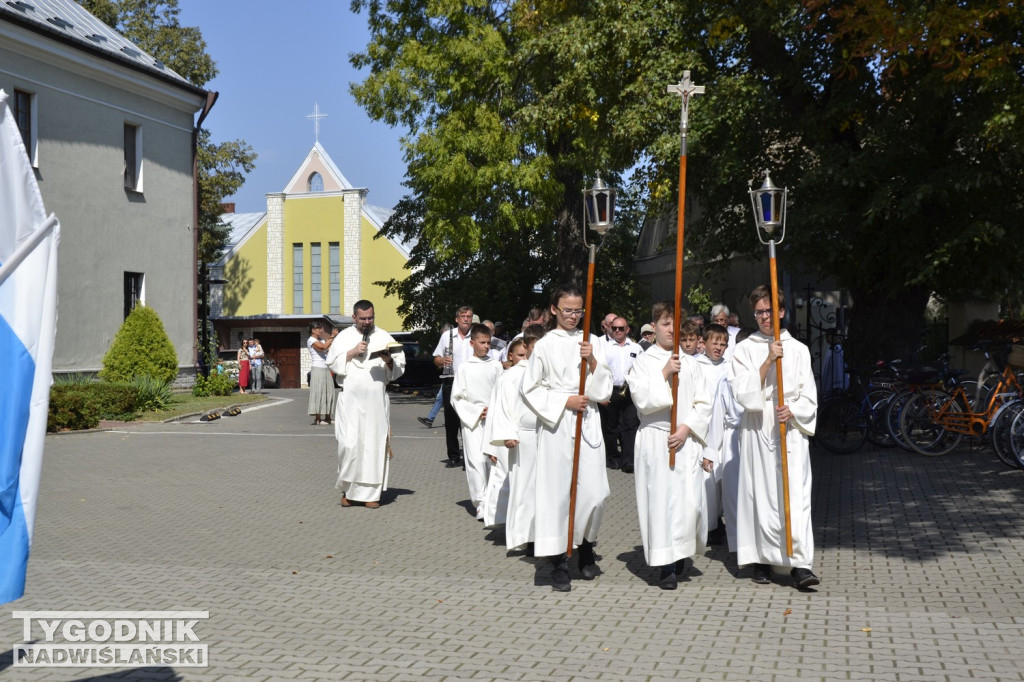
(186, 403)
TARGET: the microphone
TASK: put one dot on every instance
(366, 340)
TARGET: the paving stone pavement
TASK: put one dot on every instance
(919, 559)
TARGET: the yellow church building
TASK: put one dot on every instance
(310, 256)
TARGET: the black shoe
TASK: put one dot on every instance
(716, 536)
(586, 561)
(612, 465)
(627, 468)
(429, 423)
(452, 463)
(762, 574)
(560, 580)
(668, 578)
(804, 577)
(681, 569)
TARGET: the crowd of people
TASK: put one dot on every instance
(693, 413)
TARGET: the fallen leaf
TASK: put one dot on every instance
(440, 601)
(865, 629)
(300, 521)
(787, 612)
(606, 648)
(329, 556)
(295, 572)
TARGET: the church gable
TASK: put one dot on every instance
(317, 173)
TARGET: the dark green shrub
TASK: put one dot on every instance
(70, 410)
(154, 394)
(215, 384)
(82, 406)
(140, 348)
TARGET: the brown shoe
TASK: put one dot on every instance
(372, 505)
(345, 502)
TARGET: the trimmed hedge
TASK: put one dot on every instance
(82, 406)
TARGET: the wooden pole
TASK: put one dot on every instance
(677, 314)
(583, 389)
(781, 399)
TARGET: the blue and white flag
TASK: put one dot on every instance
(28, 326)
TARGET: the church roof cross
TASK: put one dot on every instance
(316, 116)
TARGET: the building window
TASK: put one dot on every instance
(314, 278)
(335, 276)
(316, 182)
(134, 294)
(296, 278)
(25, 116)
(133, 157)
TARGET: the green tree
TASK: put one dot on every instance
(141, 348)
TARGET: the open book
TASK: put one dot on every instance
(387, 349)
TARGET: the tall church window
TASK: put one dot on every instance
(296, 278)
(335, 275)
(314, 278)
(316, 182)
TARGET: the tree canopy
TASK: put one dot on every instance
(894, 124)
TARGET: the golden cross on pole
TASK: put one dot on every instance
(316, 116)
(686, 88)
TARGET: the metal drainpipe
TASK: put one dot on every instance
(211, 99)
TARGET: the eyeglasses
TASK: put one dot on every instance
(569, 313)
(763, 313)
(619, 329)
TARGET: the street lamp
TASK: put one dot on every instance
(769, 204)
(599, 213)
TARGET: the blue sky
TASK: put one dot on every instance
(277, 59)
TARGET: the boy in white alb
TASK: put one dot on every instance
(514, 426)
(670, 501)
(471, 394)
(715, 369)
(551, 389)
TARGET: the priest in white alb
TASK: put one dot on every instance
(365, 359)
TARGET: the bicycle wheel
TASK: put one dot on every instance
(841, 426)
(892, 418)
(1017, 438)
(878, 434)
(1000, 431)
(920, 431)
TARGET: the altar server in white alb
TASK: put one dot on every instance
(551, 389)
(670, 501)
(760, 517)
(365, 358)
(471, 396)
(514, 426)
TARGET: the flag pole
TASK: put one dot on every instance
(685, 88)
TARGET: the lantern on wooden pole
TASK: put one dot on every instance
(685, 88)
(599, 205)
(769, 203)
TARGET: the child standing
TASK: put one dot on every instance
(471, 393)
(514, 426)
(551, 389)
(670, 501)
(712, 364)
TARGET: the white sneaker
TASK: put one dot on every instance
(479, 513)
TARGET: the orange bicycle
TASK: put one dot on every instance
(934, 421)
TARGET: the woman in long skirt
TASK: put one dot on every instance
(243, 366)
(321, 383)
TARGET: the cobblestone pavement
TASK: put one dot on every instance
(919, 559)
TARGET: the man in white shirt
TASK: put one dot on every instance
(453, 348)
(619, 421)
